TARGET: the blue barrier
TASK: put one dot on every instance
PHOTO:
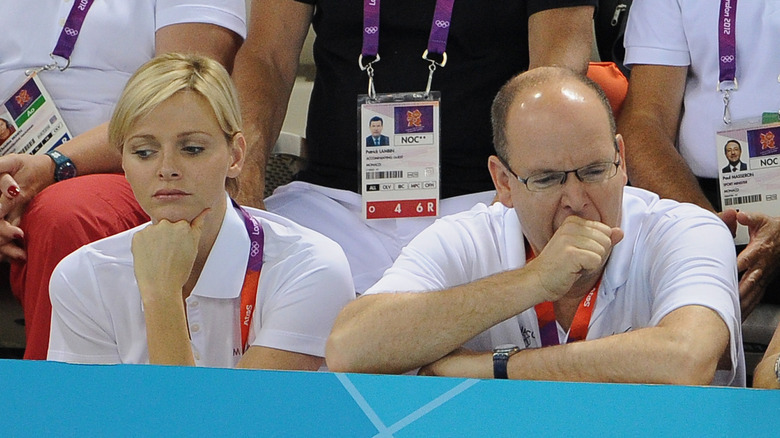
(54, 399)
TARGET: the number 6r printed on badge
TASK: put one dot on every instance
(407, 208)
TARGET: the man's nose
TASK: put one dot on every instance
(573, 193)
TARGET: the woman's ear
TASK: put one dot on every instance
(500, 180)
(237, 155)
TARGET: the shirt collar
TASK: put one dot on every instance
(619, 263)
(225, 268)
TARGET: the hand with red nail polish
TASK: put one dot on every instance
(21, 178)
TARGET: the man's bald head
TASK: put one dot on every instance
(543, 83)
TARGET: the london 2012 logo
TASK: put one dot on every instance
(768, 140)
(413, 119)
(763, 141)
(23, 98)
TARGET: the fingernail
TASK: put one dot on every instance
(13, 191)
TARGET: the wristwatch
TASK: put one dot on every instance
(777, 369)
(501, 355)
(63, 167)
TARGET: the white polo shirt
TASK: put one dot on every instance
(672, 255)
(97, 315)
(685, 33)
(116, 38)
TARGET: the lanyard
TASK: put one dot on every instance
(727, 53)
(67, 40)
(545, 314)
(437, 40)
(252, 277)
(68, 36)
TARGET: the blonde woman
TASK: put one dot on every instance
(206, 282)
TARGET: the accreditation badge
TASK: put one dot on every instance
(749, 163)
(399, 155)
(31, 123)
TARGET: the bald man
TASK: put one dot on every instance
(647, 286)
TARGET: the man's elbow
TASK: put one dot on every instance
(338, 355)
(695, 371)
(694, 365)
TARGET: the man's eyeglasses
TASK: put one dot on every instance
(592, 173)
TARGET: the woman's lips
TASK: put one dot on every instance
(169, 194)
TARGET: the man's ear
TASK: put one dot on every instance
(501, 179)
(237, 155)
(622, 152)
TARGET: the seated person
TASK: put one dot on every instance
(648, 286)
(169, 291)
(767, 373)
(46, 213)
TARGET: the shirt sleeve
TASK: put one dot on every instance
(230, 14)
(301, 292)
(694, 264)
(80, 327)
(451, 252)
(655, 34)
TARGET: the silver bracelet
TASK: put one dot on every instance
(777, 368)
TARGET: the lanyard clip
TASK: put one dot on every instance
(726, 87)
(432, 68)
(369, 69)
(54, 65)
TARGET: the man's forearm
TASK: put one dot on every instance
(562, 37)
(660, 168)
(264, 75)
(683, 349)
(649, 123)
(264, 97)
(395, 333)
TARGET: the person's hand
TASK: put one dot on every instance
(163, 256)
(758, 262)
(25, 175)
(579, 247)
(22, 177)
(729, 217)
(461, 363)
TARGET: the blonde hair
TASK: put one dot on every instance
(165, 75)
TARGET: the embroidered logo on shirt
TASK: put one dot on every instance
(527, 336)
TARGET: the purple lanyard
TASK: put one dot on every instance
(256, 236)
(67, 40)
(727, 53)
(252, 277)
(437, 40)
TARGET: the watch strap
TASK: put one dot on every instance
(499, 365)
(501, 355)
(63, 166)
